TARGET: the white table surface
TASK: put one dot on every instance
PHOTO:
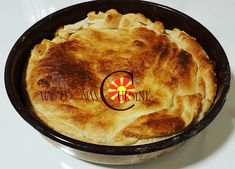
(22, 147)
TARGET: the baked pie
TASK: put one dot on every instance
(116, 79)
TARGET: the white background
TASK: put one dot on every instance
(22, 147)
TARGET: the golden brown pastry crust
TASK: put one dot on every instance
(170, 64)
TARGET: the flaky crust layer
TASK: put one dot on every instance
(169, 64)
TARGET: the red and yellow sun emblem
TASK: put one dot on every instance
(121, 90)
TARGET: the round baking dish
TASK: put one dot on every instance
(171, 18)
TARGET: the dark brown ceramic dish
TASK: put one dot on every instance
(110, 154)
